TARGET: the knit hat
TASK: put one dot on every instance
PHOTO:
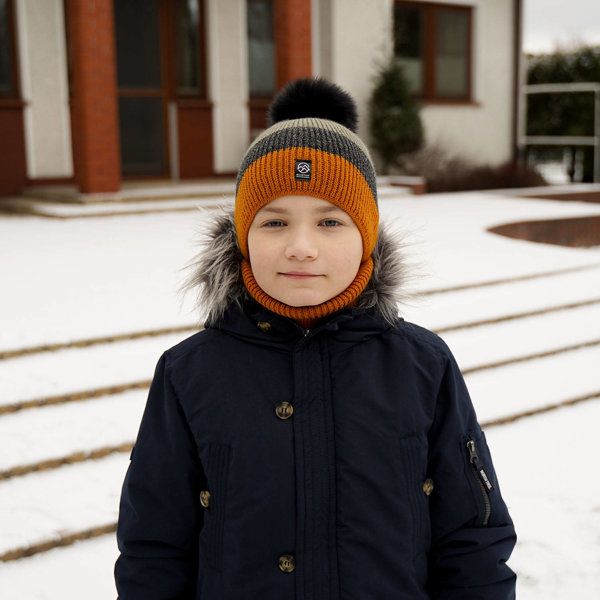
(311, 149)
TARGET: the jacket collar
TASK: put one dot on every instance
(257, 325)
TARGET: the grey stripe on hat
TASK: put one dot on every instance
(317, 139)
(317, 124)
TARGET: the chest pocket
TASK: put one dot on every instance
(213, 500)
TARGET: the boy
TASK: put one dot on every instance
(309, 444)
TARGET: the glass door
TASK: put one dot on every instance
(142, 90)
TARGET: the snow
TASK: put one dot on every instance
(61, 210)
(92, 277)
(534, 384)
(68, 428)
(546, 469)
(476, 304)
(87, 496)
(75, 279)
(523, 337)
(52, 372)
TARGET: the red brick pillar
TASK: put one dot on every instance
(94, 117)
(293, 40)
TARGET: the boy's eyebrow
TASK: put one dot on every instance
(273, 209)
(325, 209)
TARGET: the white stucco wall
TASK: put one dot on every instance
(482, 132)
(228, 81)
(43, 73)
(355, 36)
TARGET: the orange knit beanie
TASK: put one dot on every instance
(310, 149)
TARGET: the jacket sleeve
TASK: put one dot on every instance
(160, 515)
(472, 532)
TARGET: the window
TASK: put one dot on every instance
(261, 48)
(433, 43)
(188, 24)
(140, 86)
(137, 29)
(7, 75)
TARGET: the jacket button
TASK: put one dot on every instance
(284, 410)
(428, 486)
(264, 326)
(287, 563)
(205, 498)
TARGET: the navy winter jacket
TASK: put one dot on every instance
(341, 463)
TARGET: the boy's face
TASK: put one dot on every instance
(303, 250)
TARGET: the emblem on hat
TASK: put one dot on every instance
(303, 170)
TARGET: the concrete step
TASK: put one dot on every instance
(440, 311)
(534, 384)
(74, 370)
(45, 506)
(53, 432)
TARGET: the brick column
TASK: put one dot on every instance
(94, 114)
(293, 40)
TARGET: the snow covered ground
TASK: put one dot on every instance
(96, 277)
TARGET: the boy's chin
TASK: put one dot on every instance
(304, 300)
(302, 303)
(302, 297)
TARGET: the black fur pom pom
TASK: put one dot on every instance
(317, 98)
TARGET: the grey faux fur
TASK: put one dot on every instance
(215, 272)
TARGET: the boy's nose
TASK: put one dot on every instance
(301, 246)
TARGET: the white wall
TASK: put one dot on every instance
(228, 81)
(43, 73)
(355, 36)
(482, 132)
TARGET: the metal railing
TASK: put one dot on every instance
(567, 140)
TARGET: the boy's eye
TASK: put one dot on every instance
(274, 224)
(330, 223)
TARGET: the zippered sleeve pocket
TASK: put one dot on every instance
(480, 473)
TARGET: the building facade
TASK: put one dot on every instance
(97, 92)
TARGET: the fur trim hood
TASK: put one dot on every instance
(215, 273)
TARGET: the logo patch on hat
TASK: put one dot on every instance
(303, 170)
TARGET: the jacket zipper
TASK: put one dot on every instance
(485, 485)
(304, 332)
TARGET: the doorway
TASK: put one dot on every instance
(161, 87)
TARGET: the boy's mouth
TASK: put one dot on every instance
(298, 275)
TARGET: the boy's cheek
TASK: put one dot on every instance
(261, 249)
(261, 263)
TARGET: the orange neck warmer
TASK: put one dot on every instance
(307, 316)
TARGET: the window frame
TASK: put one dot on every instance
(430, 42)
